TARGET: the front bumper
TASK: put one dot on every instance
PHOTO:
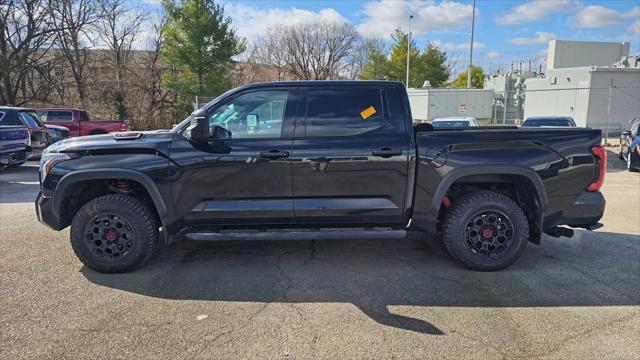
(586, 210)
(35, 154)
(44, 212)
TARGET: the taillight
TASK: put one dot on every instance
(600, 152)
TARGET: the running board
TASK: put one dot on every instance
(298, 234)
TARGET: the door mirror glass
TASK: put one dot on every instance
(252, 120)
(220, 133)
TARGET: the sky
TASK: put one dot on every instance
(506, 31)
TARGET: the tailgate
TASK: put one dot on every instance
(13, 138)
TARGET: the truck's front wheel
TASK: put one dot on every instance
(485, 231)
(114, 233)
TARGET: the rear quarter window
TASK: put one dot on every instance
(343, 112)
(59, 116)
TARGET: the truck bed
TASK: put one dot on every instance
(558, 161)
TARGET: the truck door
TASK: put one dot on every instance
(242, 176)
(349, 158)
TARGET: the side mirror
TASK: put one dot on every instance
(626, 133)
(422, 127)
(199, 127)
(218, 132)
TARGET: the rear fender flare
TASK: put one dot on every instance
(459, 173)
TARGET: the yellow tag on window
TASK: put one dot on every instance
(367, 112)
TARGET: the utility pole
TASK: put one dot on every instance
(473, 23)
(409, 49)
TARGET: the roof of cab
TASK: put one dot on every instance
(320, 83)
(15, 108)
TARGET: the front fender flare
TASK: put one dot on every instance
(108, 173)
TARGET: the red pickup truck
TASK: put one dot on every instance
(79, 123)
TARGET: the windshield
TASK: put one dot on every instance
(546, 122)
(30, 119)
(450, 124)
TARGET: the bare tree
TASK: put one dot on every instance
(118, 29)
(311, 51)
(79, 18)
(152, 108)
(25, 36)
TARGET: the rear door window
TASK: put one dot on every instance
(343, 112)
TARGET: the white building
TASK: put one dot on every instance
(603, 97)
(430, 103)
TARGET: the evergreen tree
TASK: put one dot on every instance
(199, 44)
(434, 66)
(398, 60)
(376, 66)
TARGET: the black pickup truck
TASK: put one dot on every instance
(317, 159)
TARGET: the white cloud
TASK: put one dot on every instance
(635, 28)
(537, 10)
(540, 38)
(595, 17)
(451, 47)
(384, 16)
(251, 22)
(493, 55)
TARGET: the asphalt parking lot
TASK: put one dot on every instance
(575, 298)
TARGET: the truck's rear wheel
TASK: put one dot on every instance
(114, 233)
(486, 231)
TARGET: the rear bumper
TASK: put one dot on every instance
(587, 209)
(44, 212)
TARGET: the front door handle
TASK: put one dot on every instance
(274, 154)
(386, 152)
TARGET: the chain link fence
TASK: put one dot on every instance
(199, 101)
(609, 108)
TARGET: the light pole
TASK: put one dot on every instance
(473, 22)
(408, 50)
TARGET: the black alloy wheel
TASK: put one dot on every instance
(110, 235)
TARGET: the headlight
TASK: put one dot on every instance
(48, 160)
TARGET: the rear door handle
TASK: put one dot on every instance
(386, 152)
(274, 154)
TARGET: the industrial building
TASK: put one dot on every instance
(509, 93)
(604, 94)
(428, 103)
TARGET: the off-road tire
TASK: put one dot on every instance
(456, 230)
(140, 218)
